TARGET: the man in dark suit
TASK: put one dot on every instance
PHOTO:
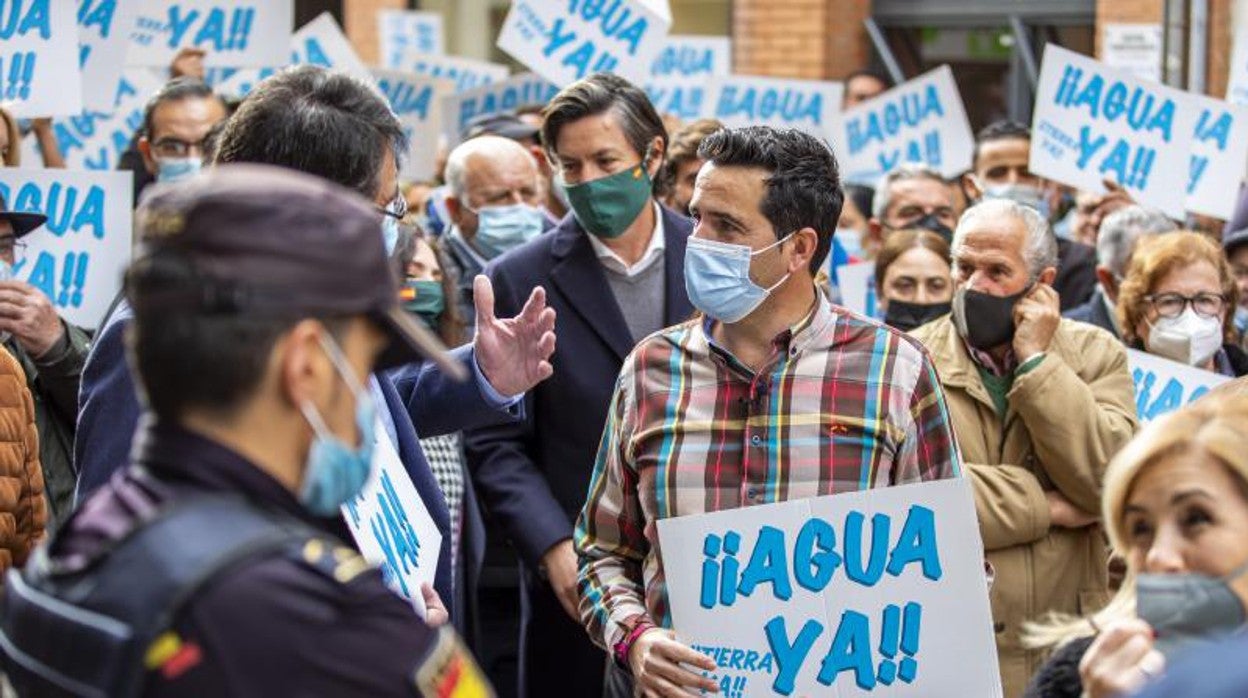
(614, 273)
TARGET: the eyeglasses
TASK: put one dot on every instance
(397, 208)
(12, 247)
(1171, 305)
(175, 148)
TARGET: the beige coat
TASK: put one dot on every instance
(1066, 419)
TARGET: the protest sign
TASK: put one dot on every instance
(403, 30)
(857, 285)
(39, 67)
(1135, 48)
(321, 42)
(1219, 154)
(692, 56)
(809, 105)
(391, 525)
(95, 140)
(231, 32)
(566, 40)
(920, 121)
(466, 73)
(798, 598)
(1093, 122)
(1163, 386)
(242, 82)
(77, 258)
(1237, 75)
(686, 98)
(414, 99)
(104, 28)
(461, 108)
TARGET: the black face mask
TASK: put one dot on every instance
(907, 316)
(932, 223)
(992, 317)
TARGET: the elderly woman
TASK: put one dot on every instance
(1178, 301)
(913, 278)
(1176, 508)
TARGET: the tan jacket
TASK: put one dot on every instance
(23, 512)
(1066, 418)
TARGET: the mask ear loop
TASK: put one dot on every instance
(781, 241)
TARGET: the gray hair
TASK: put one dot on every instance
(883, 189)
(1040, 245)
(491, 147)
(1122, 229)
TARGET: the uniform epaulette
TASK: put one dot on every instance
(338, 562)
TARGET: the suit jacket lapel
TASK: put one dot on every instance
(578, 275)
(676, 306)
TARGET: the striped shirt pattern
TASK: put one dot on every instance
(843, 404)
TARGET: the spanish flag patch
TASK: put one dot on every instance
(449, 671)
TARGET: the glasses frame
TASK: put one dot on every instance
(1188, 301)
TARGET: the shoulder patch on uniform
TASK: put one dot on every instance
(340, 563)
(449, 671)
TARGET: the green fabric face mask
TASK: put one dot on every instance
(424, 299)
(608, 205)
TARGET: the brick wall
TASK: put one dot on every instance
(1219, 32)
(359, 21)
(812, 39)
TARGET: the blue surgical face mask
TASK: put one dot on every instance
(717, 278)
(177, 169)
(1189, 608)
(500, 228)
(335, 471)
(390, 233)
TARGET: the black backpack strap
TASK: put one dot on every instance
(87, 633)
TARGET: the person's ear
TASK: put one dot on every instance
(543, 163)
(145, 149)
(657, 151)
(874, 240)
(1048, 276)
(805, 242)
(300, 362)
(970, 187)
(1108, 282)
(454, 209)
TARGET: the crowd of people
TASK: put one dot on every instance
(646, 322)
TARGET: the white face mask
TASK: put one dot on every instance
(1189, 338)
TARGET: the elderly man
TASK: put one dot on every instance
(1040, 405)
(1119, 235)
(494, 193)
(911, 196)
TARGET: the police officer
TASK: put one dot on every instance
(262, 301)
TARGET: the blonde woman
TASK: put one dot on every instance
(1175, 507)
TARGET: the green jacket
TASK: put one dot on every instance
(53, 381)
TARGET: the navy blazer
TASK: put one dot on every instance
(1094, 312)
(533, 474)
(108, 414)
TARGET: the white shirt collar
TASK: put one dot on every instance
(653, 253)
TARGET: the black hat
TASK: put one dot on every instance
(505, 125)
(1232, 239)
(270, 241)
(22, 223)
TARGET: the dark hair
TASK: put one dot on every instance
(902, 241)
(177, 90)
(452, 329)
(196, 360)
(595, 95)
(883, 79)
(683, 149)
(999, 131)
(318, 121)
(863, 197)
(804, 187)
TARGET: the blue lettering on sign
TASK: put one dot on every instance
(508, 99)
(67, 207)
(1208, 130)
(407, 99)
(1153, 400)
(688, 61)
(18, 75)
(612, 20)
(22, 17)
(683, 101)
(770, 104)
(218, 32)
(73, 279)
(97, 14)
(313, 54)
(1142, 111)
(394, 533)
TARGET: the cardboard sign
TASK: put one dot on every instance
(231, 32)
(39, 66)
(404, 30)
(104, 28)
(880, 592)
(1219, 154)
(77, 258)
(808, 105)
(692, 56)
(392, 527)
(1237, 75)
(321, 42)
(686, 98)
(921, 121)
(461, 108)
(567, 40)
(857, 285)
(466, 73)
(1093, 122)
(1163, 386)
(95, 140)
(242, 82)
(414, 99)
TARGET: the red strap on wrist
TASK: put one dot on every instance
(623, 647)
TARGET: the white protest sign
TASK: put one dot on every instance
(392, 527)
(77, 258)
(1135, 48)
(242, 82)
(808, 105)
(414, 99)
(566, 40)
(692, 56)
(461, 108)
(321, 42)
(231, 32)
(1163, 386)
(1093, 122)
(466, 73)
(95, 140)
(104, 28)
(880, 592)
(1237, 75)
(686, 98)
(1219, 154)
(857, 285)
(39, 72)
(403, 30)
(920, 121)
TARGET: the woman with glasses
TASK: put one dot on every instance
(1178, 301)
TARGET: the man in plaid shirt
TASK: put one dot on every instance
(773, 394)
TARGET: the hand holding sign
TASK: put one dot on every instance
(655, 660)
(28, 314)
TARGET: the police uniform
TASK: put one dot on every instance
(284, 608)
